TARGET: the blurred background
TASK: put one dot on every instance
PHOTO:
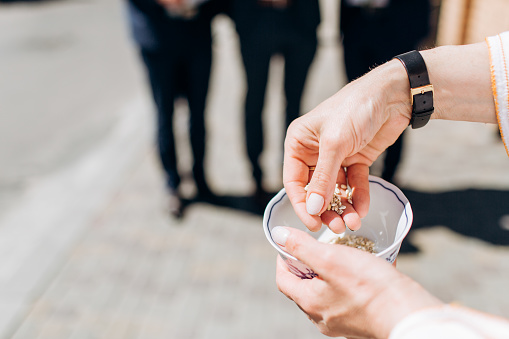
(88, 248)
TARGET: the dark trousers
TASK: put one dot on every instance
(180, 72)
(358, 60)
(373, 37)
(360, 55)
(257, 50)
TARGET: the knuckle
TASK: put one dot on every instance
(293, 246)
(329, 138)
(321, 181)
(292, 127)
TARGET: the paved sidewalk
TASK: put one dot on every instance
(137, 274)
(132, 272)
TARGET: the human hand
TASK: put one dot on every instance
(350, 129)
(356, 295)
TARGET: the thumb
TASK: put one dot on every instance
(302, 246)
(323, 181)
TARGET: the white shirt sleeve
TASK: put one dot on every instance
(498, 46)
(446, 322)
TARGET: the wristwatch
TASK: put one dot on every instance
(421, 90)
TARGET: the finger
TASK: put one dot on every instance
(293, 287)
(281, 266)
(324, 179)
(297, 194)
(338, 223)
(351, 218)
(358, 179)
(295, 177)
(287, 282)
(304, 247)
(282, 278)
(332, 217)
(341, 176)
(334, 221)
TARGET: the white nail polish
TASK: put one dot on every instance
(314, 204)
(280, 235)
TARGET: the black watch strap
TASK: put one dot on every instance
(421, 91)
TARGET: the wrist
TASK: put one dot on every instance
(461, 78)
(403, 297)
(395, 89)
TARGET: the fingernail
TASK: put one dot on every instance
(280, 235)
(314, 204)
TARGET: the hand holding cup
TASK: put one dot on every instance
(352, 290)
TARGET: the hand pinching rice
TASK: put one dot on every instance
(336, 205)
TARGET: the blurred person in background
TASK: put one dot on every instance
(267, 28)
(175, 42)
(373, 31)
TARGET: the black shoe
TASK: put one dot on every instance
(204, 193)
(174, 204)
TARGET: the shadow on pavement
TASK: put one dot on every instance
(481, 214)
(247, 204)
(474, 213)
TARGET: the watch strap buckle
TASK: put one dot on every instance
(420, 90)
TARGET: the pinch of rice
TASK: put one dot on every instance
(356, 241)
(335, 204)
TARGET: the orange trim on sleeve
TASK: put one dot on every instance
(494, 89)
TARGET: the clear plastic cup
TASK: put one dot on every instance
(388, 222)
